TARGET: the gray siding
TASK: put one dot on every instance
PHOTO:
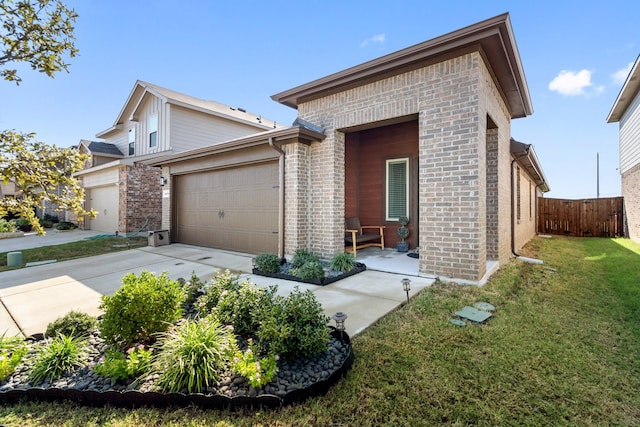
(192, 129)
(630, 136)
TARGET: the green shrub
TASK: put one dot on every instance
(342, 262)
(222, 282)
(294, 326)
(57, 358)
(193, 354)
(311, 270)
(120, 366)
(12, 350)
(52, 218)
(66, 226)
(301, 257)
(23, 224)
(143, 306)
(259, 371)
(242, 308)
(7, 226)
(191, 288)
(267, 263)
(46, 223)
(74, 324)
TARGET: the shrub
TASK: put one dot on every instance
(118, 366)
(23, 224)
(52, 218)
(64, 225)
(342, 262)
(311, 270)
(7, 226)
(192, 288)
(267, 263)
(61, 355)
(74, 324)
(242, 308)
(192, 355)
(222, 282)
(301, 257)
(12, 350)
(295, 326)
(46, 223)
(143, 306)
(258, 371)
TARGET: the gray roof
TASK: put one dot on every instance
(104, 148)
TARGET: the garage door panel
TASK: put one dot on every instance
(248, 197)
(104, 200)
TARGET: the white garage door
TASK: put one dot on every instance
(234, 209)
(103, 200)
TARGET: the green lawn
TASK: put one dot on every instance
(79, 249)
(562, 349)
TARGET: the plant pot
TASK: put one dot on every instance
(402, 246)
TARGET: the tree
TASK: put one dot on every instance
(43, 173)
(39, 32)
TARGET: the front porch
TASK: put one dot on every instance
(392, 261)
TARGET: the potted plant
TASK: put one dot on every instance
(403, 233)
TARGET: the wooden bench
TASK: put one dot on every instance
(355, 239)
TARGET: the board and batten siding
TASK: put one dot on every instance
(192, 129)
(630, 136)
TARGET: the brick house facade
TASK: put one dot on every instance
(444, 107)
(454, 88)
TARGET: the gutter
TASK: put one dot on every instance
(280, 197)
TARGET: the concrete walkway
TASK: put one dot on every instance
(33, 297)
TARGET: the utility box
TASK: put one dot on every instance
(158, 238)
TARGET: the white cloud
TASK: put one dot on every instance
(378, 38)
(620, 76)
(571, 83)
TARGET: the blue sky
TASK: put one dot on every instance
(575, 57)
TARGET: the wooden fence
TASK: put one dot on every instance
(584, 218)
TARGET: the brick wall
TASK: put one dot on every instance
(631, 194)
(452, 100)
(140, 198)
(296, 187)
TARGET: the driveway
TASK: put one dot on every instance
(35, 296)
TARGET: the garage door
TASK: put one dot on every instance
(104, 200)
(234, 209)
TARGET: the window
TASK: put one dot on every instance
(132, 141)
(397, 189)
(153, 131)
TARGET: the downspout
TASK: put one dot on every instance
(513, 217)
(280, 197)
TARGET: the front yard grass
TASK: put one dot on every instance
(79, 249)
(563, 348)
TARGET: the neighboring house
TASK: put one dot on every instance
(626, 111)
(154, 121)
(423, 132)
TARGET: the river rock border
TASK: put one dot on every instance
(136, 398)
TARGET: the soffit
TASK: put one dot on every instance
(627, 94)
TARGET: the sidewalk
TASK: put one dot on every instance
(53, 237)
(33, 297)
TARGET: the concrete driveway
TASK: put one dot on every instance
(33, 297)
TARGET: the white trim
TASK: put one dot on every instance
(404, 160)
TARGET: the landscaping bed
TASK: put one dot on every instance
(160, 342)
(306, 267)
(330, 277)
(295, 381)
